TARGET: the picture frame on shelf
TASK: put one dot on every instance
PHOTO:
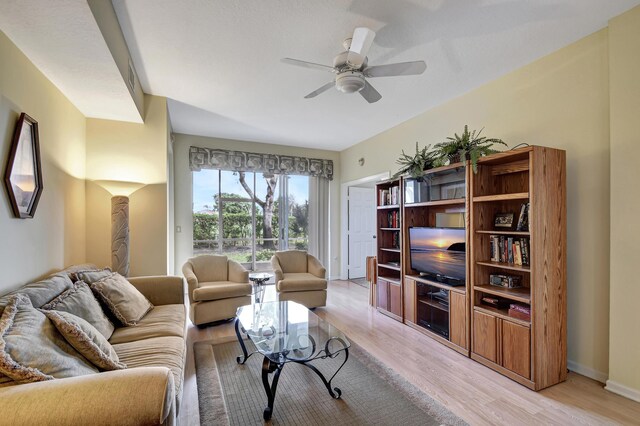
(504, 221)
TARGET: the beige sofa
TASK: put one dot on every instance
(300, 277)
(148, 392)
(218, 286)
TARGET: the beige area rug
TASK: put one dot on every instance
(371, 393)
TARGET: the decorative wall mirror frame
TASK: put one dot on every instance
(23, 175)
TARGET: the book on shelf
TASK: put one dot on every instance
(511, 250)
(395, 240)
(393, 219)
(523, 220)
(389, 196)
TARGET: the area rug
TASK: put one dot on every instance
(371, 393)
(362, 282)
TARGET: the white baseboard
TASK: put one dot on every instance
(587, 371)
(623, 390)
(335, 278)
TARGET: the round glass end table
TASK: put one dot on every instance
(259, 279)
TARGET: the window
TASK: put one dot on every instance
(247, 216)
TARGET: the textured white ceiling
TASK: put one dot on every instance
(219, 60)
(63, 40)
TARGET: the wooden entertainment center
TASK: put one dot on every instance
(523, 334)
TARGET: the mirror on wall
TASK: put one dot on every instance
(23, 175)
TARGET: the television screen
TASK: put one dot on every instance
(439, 253)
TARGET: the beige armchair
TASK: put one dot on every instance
(300, 277)
(217, 287)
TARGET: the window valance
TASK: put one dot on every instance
(209, 158)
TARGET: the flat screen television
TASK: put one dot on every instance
(439, 254)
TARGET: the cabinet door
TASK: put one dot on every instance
(382, 301)
(516, 348)
(458, 318)
(410, 300)
(485, 342)
(395, 299)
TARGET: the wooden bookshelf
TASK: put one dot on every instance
(533, 353)
(388, 289)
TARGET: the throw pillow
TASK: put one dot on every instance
(32, 350)
(80, 301)
(126, 303)
(91, 276)
(86, 339)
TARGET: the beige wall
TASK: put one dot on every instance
(133, 153)
(183, 189)
(561, 101)
(55, 238)
(624, 68)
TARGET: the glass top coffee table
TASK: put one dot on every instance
(286, 332)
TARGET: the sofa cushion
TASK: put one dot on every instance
(301, 282)
(92, 275)
(41, 292)
(124, 301)
(210, 268)
(292, 261)
(169, 351)
(32, 350)
(220, 290)
(80, 301)
(162, 321)
(88, 341)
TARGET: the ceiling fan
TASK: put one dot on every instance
(352, 70)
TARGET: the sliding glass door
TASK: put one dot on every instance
(247, 216)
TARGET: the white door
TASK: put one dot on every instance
(362, 229)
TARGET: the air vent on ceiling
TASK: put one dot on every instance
(132, 77)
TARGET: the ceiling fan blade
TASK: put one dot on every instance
(320, 90)
(401, 68)
(305, 64)
(369, 93)
(360, 45)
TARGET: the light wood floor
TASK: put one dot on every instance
(471, 391)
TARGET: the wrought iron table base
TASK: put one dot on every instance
(269, 366)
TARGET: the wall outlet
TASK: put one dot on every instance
(178, 229)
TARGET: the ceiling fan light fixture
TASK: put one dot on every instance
(350, 82)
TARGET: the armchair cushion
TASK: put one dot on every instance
(220, 290)
(209, 268)
(292, 261)
(301, 282)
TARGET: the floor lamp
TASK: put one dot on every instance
(120, 235)
(120, 192)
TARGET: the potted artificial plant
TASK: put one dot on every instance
(415, 165)
(467, 146)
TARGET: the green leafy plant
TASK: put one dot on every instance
(467, 146)
(415, 165)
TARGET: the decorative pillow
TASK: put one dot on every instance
(91, 276)
(126, 303)
(32, 350)
(42, 291)
(80, 301)
(86, 339)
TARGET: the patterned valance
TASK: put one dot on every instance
(209, 158)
